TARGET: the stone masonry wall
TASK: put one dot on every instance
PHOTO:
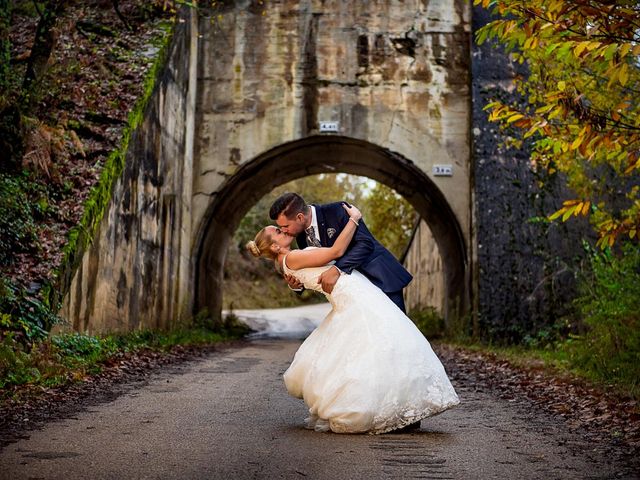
(526, 268)
(423, 260)
(137, 271)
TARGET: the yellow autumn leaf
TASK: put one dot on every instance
(623, 105)
(593, 45)
(623, 76)
(632, 167)
(580, 47)
(568, 213)
(555, 215)
(556, 111)
(515, 117)
(562, 85)
(554, 6)
(576, 143)
(586, 207)
(578, 209)
(606, 226)
(624, 49)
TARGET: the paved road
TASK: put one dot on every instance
(295, 322)
(229, 417)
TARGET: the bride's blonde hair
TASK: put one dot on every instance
(260, 246)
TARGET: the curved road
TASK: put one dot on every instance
(228, 416)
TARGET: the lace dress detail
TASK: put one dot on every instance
(366, 368)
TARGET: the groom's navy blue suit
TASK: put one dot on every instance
(364, 253)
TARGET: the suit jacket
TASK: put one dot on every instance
(364, 253)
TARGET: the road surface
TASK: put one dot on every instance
(228, 416)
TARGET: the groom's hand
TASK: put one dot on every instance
(293, 282)
(329, 278)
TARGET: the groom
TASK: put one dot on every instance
(320, 225)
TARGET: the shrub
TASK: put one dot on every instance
(610, 305)
(26, 316)
(429, 322)
(17, 227)
(14, 364)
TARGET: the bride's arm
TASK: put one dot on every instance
(317, 257)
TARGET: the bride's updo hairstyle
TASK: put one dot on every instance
(261, 245)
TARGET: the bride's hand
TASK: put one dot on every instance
(353, 211)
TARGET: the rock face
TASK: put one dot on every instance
(239, 110)
(525, 273)
(525, 268)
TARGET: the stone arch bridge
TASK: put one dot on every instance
(241, 108)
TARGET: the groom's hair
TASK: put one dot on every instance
(290, 204)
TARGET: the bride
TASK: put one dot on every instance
(366, 368)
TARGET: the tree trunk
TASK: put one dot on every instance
(5, 47)
(116, 7)
(44, 42)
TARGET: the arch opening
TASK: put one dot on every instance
(327, 154)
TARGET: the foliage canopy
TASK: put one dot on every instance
(581, 112)
(389, 217)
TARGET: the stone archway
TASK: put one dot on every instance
(239, 109)
(322, 154)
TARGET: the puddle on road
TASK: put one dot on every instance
(232, 365)
(295, 322)
(50, 455)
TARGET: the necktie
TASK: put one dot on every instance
(312, 241)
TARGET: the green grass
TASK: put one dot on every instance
(65, 358)
(564, 358)
(579, 356)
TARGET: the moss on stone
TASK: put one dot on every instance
(82, 235)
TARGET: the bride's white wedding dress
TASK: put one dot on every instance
(367, 367)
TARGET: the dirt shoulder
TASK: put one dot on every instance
(600, 415)
(31, 407)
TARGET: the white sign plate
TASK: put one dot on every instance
(331, 127)
(442, 170)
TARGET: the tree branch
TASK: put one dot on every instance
(44, 42)
(116, 7)
(37, 7)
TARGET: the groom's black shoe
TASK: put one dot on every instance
(409, 428)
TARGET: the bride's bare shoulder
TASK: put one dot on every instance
(294, 257)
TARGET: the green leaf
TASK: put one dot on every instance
(610, 51)
(556, 214)
(568, 213)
